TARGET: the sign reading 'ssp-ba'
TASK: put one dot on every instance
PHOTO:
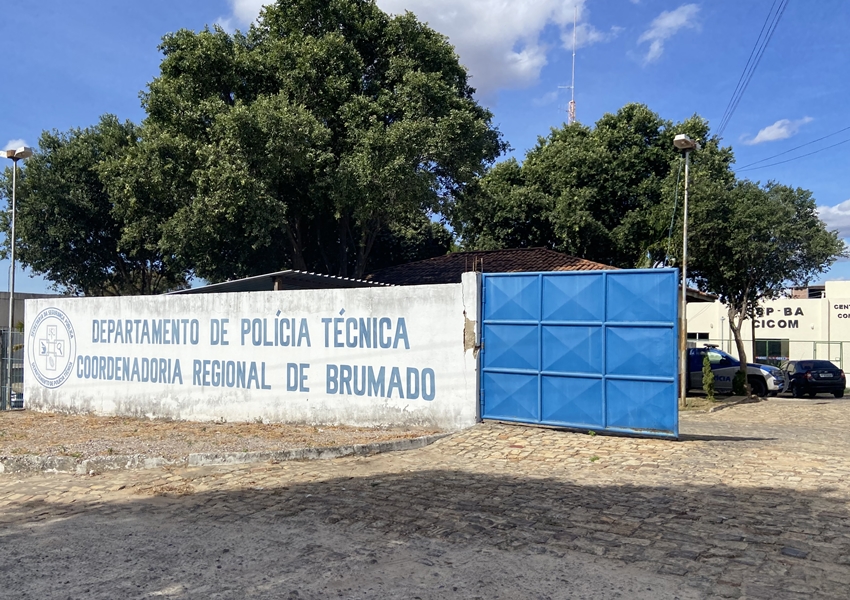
(352, 356)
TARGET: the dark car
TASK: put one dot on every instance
(813, 377)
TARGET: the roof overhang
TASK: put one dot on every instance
(698, 296)
(282, 281)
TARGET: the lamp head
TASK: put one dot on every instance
(18, 153)
(683, 142)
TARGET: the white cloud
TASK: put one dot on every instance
(546, 99)
(226, 23)
(245, 11)
(665, 26)
(837, 217)
(782, 129)
(497, 40)
(14, 144)
(587, 34)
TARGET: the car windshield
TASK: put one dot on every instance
(715, 355)
(815, 365)
(823, 364)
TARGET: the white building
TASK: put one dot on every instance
(813, 323)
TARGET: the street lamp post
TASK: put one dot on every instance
(686, 144)
(15, 155)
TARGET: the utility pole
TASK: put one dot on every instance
(571, 111)
(571, 107)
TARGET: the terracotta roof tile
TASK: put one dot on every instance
(450, 267)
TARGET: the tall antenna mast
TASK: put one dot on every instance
(571, 111)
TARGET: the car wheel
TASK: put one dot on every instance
(758, 387)
(812, 394)
(838, 394)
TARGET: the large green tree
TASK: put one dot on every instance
(70, 229)
(328, 137)
(749, 243)
(306, 140)
(593, 192)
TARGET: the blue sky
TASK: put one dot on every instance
(66, 63)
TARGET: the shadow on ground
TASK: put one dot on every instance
(693, 437)
(431, 534)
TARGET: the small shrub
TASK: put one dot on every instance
(739, 384)
(707, 378)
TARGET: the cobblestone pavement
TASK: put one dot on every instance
(754, 502)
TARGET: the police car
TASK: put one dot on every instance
(763, 379)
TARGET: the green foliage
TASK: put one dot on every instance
(501, 211)
(404, 242)
(327, 137)
(739, 382)
(71, 229)
(707, 378)
(308, 141)
(598, 193)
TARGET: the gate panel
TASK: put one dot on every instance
(592, 350)
(513, 397)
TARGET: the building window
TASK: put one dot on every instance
(771, 352)
(697, 336)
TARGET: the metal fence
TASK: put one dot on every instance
(775, 352)
(13, 360)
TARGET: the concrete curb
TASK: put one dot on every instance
(99, 464)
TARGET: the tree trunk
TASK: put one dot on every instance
(343, 245)
(295, 236)
(364, 248)
(736, 321)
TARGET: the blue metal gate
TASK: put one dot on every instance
(593, 350)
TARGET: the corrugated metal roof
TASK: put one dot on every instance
(281, 281)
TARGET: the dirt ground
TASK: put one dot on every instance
(86, 436)
(701, 403)
(83, 436)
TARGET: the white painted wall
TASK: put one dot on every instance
(814, 327)
(76, 358)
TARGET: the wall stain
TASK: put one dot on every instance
(469, 336)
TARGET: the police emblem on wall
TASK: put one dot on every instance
(51, 347)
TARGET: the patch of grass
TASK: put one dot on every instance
(591, 432)
(594, 458)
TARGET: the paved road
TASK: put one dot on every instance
(753, 503)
